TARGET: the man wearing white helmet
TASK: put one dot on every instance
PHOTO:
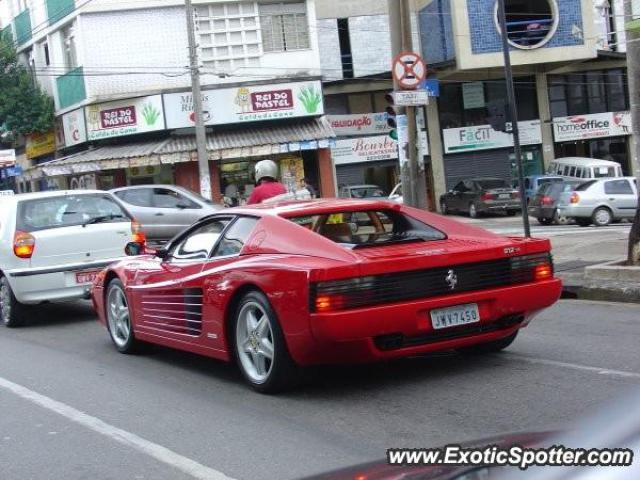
(266, 184)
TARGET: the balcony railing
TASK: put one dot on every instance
(22, 25)
(71, 88)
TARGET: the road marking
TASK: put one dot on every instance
(574, 366)
(160, 453)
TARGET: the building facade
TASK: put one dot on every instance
(570, 76)
(118, 72)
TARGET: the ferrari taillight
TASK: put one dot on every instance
(23, 244)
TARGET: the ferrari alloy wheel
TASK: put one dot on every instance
(260, 348)
(119, 318)
(11, 311)
(489, 347)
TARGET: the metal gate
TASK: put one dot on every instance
(492, 163)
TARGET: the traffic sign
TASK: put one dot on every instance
(432, 86)
(410, 98)
(409, 70)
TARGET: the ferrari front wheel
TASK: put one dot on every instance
(119, 318)
(260, 348)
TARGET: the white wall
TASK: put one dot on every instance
(152, 40)
(329, 47)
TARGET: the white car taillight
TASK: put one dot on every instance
(23, 244)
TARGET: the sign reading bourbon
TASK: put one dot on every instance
(275, 100)
(118, 117)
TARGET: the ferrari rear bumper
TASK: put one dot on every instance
(404, 329)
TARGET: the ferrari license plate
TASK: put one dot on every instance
(454, 316)
(86, 277)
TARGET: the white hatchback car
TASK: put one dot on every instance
(53, 244)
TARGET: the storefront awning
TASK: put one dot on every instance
(239, 142)
(252, 141)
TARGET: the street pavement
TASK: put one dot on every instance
(73, 408)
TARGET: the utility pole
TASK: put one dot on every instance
(413, 179)
(201, 135)
(633, 76)
(502, 18)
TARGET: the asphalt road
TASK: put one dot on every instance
(73, 408)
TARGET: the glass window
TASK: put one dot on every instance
(200, 242)
(602, 172)
(617, 95)
(618, 187)
(284, 26)
(68, 210)
(572, 171)
(460, 187)
(596, 92)
(235, 238)
(165, 198)
(140, 197)
(368, 228)
(577, 99)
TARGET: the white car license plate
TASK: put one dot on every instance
(86, 277)
(504, 195)
(453, 316)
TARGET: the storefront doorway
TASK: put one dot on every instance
(613, 148)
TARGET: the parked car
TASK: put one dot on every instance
(279, 287)
(361, 191)
(53, 244)
(396, 194)
(583, 169)
(600, 202)
(533, 183)
(164, 210)
(481, 195)
(543, 206)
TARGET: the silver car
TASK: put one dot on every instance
(163, 211)
(600, 201)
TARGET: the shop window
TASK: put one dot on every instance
(530, 23)
(284, 26)
(617, 95)
(596, 92)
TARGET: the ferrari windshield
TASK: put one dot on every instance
(368, 228)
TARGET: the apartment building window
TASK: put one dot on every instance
(284, 26)
(69, 48)
(228, 35)
(590, 92)
(45, 54)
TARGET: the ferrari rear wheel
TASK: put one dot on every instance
(119, 318)
(489, 347)
(260, 348)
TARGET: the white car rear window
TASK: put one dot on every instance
(63, 211)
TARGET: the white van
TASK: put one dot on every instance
(581, 168)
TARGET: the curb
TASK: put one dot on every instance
(610, 282)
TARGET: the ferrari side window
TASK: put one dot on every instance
(235, 238)
(198, 244)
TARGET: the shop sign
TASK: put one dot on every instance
(7, 157)
(597, 125)
(365, 149)
(124, 117)
(360, 124)
(74, 128)
(484, 137)
(83, 182)
(246, 104)
(473, 95)
(39, 144)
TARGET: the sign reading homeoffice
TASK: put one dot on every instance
(251, 103)
(483, 137)
(124, 117)
(597, 125)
